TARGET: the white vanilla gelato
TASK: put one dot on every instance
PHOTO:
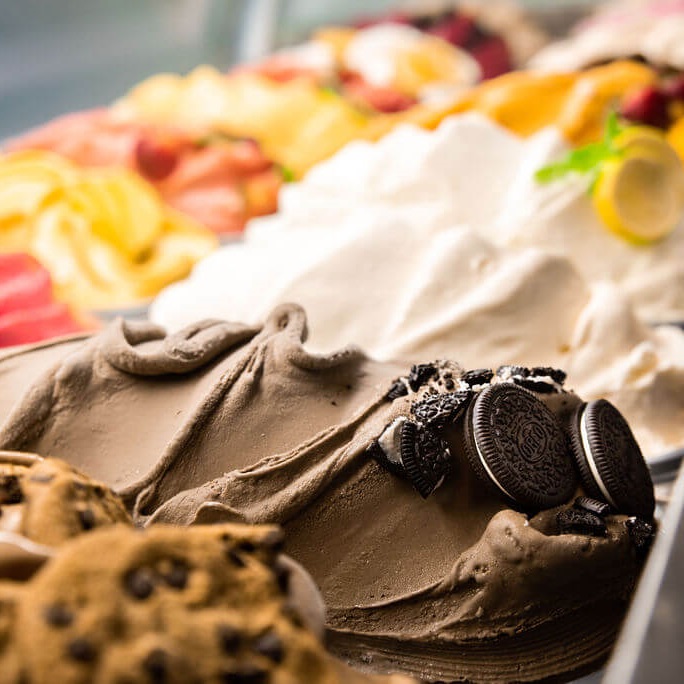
(415, 247)
(627, 28)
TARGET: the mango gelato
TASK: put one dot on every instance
(105, 235)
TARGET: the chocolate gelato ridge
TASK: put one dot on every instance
(224, 422)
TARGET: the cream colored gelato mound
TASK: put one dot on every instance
(652, 30)
(386, 246)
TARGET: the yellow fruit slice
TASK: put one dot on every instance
(640, 195)
(433, 61)
(120, 208)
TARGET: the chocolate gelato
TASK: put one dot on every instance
(391, 484)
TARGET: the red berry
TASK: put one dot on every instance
(493, 56)
(674, 89)
(647, 106)
(155, 161)
(457, 30)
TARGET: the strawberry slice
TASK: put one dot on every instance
(24, 283)
(33, 325)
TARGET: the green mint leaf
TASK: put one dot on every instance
(288, 175)
(586, 159)
(581, 160)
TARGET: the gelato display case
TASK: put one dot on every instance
(341, 342)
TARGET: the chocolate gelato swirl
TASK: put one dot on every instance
(248, 426)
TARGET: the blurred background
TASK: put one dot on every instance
(58, 56)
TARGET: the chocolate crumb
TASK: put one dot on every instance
(477, 376)
(397, 389)
(556, 374)
(641, 533)
(577, 521)
(600, 508)
(420, 374)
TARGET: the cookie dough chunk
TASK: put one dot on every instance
(214, 603)
(49, 502)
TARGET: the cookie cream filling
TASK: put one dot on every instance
(586, 446)
(489, 472)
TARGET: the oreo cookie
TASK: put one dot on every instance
(535, 385)
(514, 442)
(609, 459)
(641, 534)
(398, 389)
(437, 411)
(600, 508)
(420, 374)
(477, 376)
(556, 374)
(580, 521)
(425, 458)
(510, 371)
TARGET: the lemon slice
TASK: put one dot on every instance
(640, 194)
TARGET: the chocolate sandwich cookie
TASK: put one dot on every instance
(48, 501)
(425, 457)
(438, 411)
(514, 442)
(610, 462)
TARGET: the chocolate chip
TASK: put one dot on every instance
(269, 645)
(478, 376)
(87, 519)
(556, 374)
(600, 508)
(246, 546)
(235, 558)
(577, 521)
(177, 576)
(398, 389)
(58, 615)
(282, 574)
(641, 533)
(10, 490)
(81, 649)
(245, 674)
(229, 639)
(139, 583)
(156, 666)
(420, 374)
